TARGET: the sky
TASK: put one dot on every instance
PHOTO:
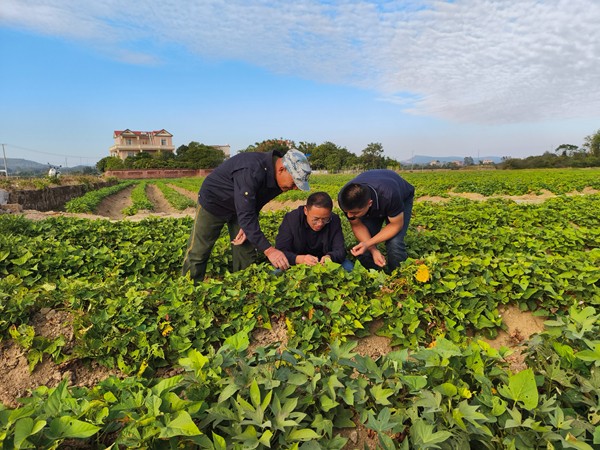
(440, 78)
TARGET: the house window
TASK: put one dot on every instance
(128, 141)
(163, 142)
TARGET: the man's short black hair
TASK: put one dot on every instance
(354, 196)
(320, 200)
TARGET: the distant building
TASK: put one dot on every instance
(224, 148)
(130, 143)
(435, 163)
(487, 161)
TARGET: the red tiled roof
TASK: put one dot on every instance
(139, 133)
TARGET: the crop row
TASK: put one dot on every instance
(90, 201)
(132, 311)
(439, 183)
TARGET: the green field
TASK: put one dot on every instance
(188, 380)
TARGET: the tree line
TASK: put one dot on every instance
(326, 156)
(333, 158)
(565, 155)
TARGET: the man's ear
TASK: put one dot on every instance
(370, 203)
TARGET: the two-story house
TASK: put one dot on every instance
(130, 143)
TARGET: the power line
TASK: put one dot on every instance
(54, 154)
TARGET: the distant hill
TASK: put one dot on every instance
(18, 166)
(422, 159)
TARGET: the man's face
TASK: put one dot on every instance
(354, 214)
(317, 217)
(284, 180)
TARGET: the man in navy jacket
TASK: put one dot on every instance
(369, 200)
(312, 234)
(232, 195)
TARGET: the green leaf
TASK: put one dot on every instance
(332, 383)
(23, 259)
(265, 439)
(590, 355)
(68, 427)
(55, 403)
(297, 379)
(424, 436)
(166, 384)
(414, 382)
(229, 390)
(327, 403)
(219, 442)
(446, 389)
(573, 442)
(24, 428)
(181, 425)
(195, 361)
(239, 341)
(334, 307)
(521, 388)
(381, 394)
(304, 434)
(255, 393)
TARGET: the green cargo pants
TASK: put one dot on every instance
(205, 232)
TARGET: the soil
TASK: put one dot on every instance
(17, 381)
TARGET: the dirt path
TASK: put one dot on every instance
(112, 205)
(161, 205)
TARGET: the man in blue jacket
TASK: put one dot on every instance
(232, 195)
(312, 234)
(369, 200)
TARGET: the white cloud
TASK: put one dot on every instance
(482, 61)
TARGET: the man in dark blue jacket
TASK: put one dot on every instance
(232, 195)
(312, 234)
(369, 200)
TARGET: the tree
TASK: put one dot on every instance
(566, 149)
(130, 161)
(592, 144)
(468, 161)
(199, 156)
(281, 145)
(372, 157)
(332, 158)
(306, 147)
(109, 163)
(181, 151)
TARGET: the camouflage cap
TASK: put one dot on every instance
(296, 164)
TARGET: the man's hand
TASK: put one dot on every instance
(359, 249)
(325, 258)
(277, 258)
(240, 238)
(378, 257)
(309, 260)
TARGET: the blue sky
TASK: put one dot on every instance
(461, 78)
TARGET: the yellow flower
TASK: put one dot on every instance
(423, 274)
(166, 328)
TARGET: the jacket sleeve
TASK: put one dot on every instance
(285, 240)
(245, 186)
(338, 246)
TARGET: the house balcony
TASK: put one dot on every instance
(142, 148)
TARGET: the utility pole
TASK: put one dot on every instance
(5, 164)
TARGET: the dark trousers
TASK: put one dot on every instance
(207, 229)
(395, 247)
